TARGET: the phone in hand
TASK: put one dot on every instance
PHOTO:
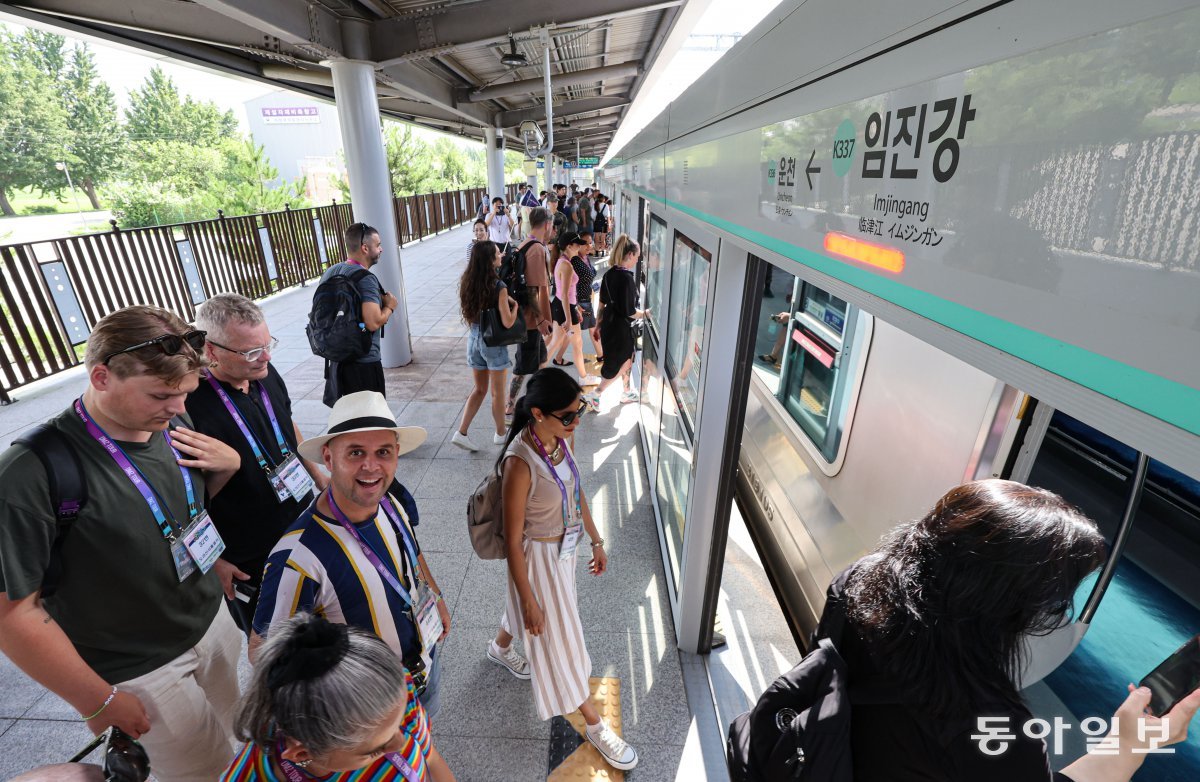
(1175, 678)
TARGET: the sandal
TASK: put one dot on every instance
(558, 363)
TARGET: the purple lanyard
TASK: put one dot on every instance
(294, 775)
(369, 552)
(136, 477)
(241, 422)
(561, 486)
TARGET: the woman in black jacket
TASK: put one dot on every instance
(615, 320)
(939, 616)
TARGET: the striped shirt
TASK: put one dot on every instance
(253, 763)
(319, 568)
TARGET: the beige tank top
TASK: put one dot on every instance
(543, 506)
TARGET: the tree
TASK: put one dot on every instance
(156, 113)
(249, 182)
(33, 123)
(97, 138)
(410, 161)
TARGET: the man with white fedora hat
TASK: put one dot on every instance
(353, 555)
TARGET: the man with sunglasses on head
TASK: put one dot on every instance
(120, 613)
(363, 248)
(244, 402)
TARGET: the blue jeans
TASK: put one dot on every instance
(430, 698)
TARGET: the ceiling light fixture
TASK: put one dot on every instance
(512, 58)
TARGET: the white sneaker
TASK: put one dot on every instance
(630, 396)
(510, 660)
(590, 380)
(614, 749)
(464, 442)
(500, 439)
(593, 401)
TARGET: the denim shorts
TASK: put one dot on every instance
(480, 356)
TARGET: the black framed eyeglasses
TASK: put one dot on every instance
(253, 354)
(566, 419)
(168, 344)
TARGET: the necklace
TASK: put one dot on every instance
(556, 454)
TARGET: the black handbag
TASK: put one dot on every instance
(493, 332)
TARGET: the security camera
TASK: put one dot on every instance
(531, 134)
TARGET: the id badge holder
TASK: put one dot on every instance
(282, 492)
(184, 564)
(298, 483)
(428, 618)
(570, 541)
(203, 542)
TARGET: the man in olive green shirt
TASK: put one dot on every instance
(133, 637)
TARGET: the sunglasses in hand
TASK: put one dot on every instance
(125, 759)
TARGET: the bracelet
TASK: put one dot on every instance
(107, 701)
(598, 542)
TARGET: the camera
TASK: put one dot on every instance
(531, 135)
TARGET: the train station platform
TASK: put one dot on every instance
(488, 728)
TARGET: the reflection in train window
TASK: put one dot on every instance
(803, 348)
(653, 256)
(690, 265)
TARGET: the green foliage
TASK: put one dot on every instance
(33, 121)
(247, 183)
(410, 161)
(138, 204)
(156, 113)
(97, 138)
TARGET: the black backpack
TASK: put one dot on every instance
(68, 491)
(512, 272)
(799, 729)
(335, 329)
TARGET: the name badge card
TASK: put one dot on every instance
(570, 541)
(299, 484)
(428, 618)
(282, 492)
(203, 542)
(184, 565)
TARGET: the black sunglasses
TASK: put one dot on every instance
(364, 231)
(125, 759)
(169, 344)
(569, 418)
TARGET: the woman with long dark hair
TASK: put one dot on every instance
(332, 702)
(545, 517)
(937, 617)
(615, 320)
(481, 289)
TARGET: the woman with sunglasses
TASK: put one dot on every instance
(332, 702)
(545, 518)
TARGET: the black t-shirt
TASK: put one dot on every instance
(897, 743)
(246, 512)
(618, 294)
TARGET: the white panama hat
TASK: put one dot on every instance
(363, 411)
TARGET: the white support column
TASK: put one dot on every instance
(371, 190)
(493, 138)
(550, 175)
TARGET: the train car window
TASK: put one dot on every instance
(654, 254)
(690, 266)
(674, 476)
(652, 393)
(774, 317)
(1153, 603)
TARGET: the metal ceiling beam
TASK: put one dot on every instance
(508, 119)
(588, 76)
(185, 21)
(438, 31)
(308, 26)
(424, 86)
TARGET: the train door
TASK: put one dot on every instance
(1150, 515)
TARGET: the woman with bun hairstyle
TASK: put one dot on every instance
(334, 703)
(545, 518)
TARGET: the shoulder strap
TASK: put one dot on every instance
(68, 490)
(358, 274)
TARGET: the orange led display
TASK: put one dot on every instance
(887, 258)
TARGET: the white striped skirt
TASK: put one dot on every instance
(558, 660)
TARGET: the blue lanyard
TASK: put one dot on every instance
(370, 553)
(240, 420)
(138, 478)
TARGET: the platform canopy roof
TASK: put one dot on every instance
(438, 64)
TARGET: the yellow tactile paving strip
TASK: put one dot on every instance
(585, 762)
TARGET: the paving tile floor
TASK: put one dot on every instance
(488, 729)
